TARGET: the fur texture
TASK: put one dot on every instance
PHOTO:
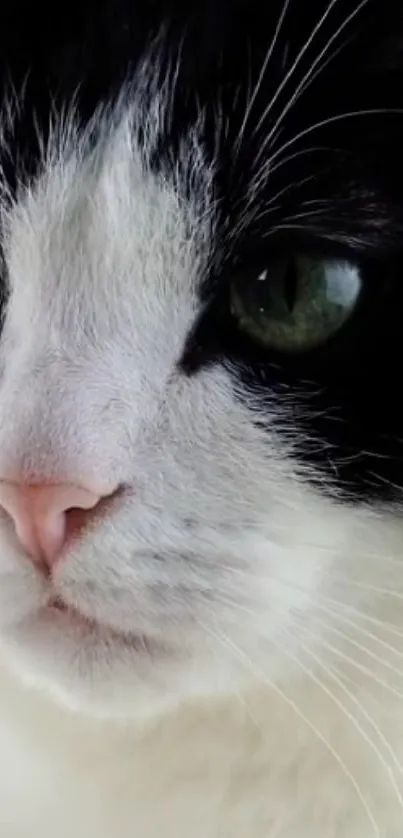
(229, 663)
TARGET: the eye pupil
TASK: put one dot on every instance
(291, 285)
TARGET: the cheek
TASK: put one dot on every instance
(211, 502)
(178, 584)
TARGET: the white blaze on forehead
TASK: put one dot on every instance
(104, 260)
(104, 239)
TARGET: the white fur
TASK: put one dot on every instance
(246, 679)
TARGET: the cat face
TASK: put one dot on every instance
(202, 298)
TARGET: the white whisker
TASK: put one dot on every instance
(362, 668)
(267, 171)
(293, 67)
(293, 227)
(299, 216)
(330, 121)
(308, 78)
(360, 647)
(366, 586)
(341, 606)
(338, 606)
(270, 208)
(350, 717)
(263, 678)
(261, 77)
(334, 614)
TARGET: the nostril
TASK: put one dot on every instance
(46, 518)
(76, 521)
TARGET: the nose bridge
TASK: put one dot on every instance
(44, 423)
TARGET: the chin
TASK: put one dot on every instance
(90, 669)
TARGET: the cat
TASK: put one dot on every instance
(201, 424)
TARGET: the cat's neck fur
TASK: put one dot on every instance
(254, 764)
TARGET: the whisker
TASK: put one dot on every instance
(293, 67)
(324, 201)
(263, 678)
(366, 586)
(338, 606)
(299, 216)
(267, 171)
(261, 76)
(361, 668)
(352, 240)
(354, 721)
(269, 208)
(359, 646)
(324, 64)
(329, 626)
(331, 120)
(360, 629)
(308, 79)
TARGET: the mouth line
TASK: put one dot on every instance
(58, 607)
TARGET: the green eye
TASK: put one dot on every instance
(296, 305)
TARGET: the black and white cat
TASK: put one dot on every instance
(201, 423)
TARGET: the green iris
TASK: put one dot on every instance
(296, 304)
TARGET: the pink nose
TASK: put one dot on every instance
(46, 516)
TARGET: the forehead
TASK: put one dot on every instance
(278, 102)
(103, 256)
